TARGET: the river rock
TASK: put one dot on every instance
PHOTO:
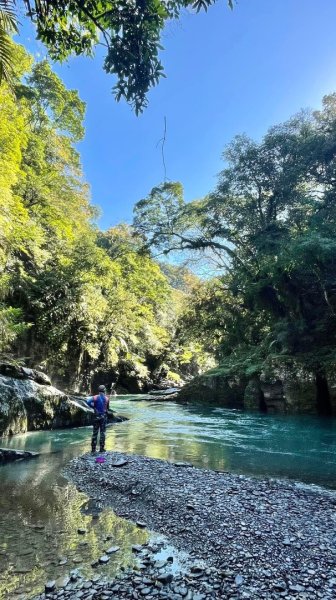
(145, 591)
(141, 524)
(62, 582)
(104, 559)
(166, 392)
(26, 405)
(165, 578)
(50, 586)
(197, 569)
(119, 463)
(113, 549)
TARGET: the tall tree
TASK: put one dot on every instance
(271, 221)
(71, 297)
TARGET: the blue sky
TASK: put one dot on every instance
(227, 73)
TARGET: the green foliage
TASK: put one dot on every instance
(71, 297)
(8, 26)
(271, 225)
(130, 31)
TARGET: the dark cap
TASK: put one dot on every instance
(102, 388)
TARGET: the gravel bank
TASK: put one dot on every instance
(245, 537)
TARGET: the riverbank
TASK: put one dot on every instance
(245, 537)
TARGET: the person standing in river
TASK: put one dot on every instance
(101, 406)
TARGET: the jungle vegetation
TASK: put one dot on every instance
(270, 228)
(72, 298)
(82, 301)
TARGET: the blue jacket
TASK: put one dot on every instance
(99, 403)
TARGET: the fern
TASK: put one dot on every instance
(8, 26)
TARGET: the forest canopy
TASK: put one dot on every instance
(82, 301)
(270, 225)
(72, 298)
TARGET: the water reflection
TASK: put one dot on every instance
(40, 512)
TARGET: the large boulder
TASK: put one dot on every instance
(214, 388)
(20, 372)
(287, 390)
(26, 405)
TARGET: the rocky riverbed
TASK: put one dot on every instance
(243, 537)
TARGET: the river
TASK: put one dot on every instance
(41, 512)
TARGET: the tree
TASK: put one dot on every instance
(271, 221)
(8, 26)
(75, 299)
(130, 32)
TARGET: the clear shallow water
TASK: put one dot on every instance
(40, 511)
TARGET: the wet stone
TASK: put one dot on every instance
(87, 585)
(62, 582)
(296, 588)
(159, 564)
(112, 550)
(118, 463)
(104, 559)
(165, 578)
(197, 569)
(49, 586)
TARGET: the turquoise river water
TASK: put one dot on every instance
(40, 511)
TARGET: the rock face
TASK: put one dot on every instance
(26, 405)
(287, 392)
(19, 372)
(214, 389)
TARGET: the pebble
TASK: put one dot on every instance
(112, 550)
(62, 582)
(251, 538)
(104, 559)
(49, 586)
(165, 578)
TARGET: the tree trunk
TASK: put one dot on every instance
(322, 395)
